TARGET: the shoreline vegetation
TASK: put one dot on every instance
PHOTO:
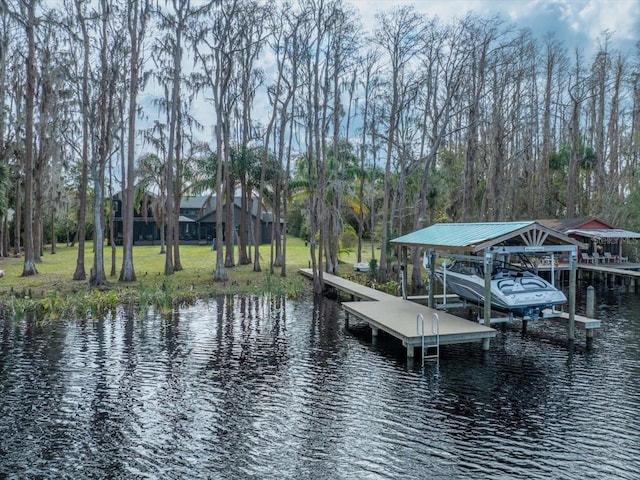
(52, 294)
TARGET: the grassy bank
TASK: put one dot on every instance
(52, 292)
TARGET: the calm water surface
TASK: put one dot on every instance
(266, 388)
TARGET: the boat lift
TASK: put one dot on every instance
(461, 302)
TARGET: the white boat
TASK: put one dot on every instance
(361, 267)
(513, 289)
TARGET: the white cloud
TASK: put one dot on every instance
(584, 20)
(619, 16)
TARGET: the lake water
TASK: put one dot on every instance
(249, 388)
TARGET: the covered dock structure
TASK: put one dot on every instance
(486, 241)
(603, 241)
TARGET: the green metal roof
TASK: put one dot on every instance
(476, 236)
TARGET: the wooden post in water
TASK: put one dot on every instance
(488, 266)
(573, 262)
(410, 352)
(591, 301)
(591, 310)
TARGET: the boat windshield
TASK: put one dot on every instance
(467, 267)
(500, 269)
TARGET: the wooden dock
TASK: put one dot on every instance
(549, 314)
(584, 322)
(357, 291)
(622, 269)
(402, 319)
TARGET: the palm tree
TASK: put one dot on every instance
(151, 174)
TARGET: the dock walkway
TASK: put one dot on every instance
(584, 322)
(548, 314)
(399, 318)
(357, 291)
(624, 270)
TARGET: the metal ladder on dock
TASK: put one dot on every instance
(435, 330)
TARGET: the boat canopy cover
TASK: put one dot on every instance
(606, 233)
(476, 236)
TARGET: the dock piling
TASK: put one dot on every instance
(591, 301)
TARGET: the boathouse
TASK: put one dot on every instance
(487, 241)
(604, 242)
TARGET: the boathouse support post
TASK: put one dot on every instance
(403, 270)
(488, 266)
(432, 277)
(573, 261)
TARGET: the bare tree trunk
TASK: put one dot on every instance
(600, 68)
(98, 275)
(137, 18)
(220, 273)
(577, 95)
(112, 214)
(181, 8)
(17, 227)
(80, 271)
(177, 263)
(615, 189)
(229, 211)
(290, 118)
(398, 35)
(543, 173)
(29, 267)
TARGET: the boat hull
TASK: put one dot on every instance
(522, 295)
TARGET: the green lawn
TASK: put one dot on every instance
(196, 279)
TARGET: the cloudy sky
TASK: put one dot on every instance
(577, 22)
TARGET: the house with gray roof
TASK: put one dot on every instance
(197, 223)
